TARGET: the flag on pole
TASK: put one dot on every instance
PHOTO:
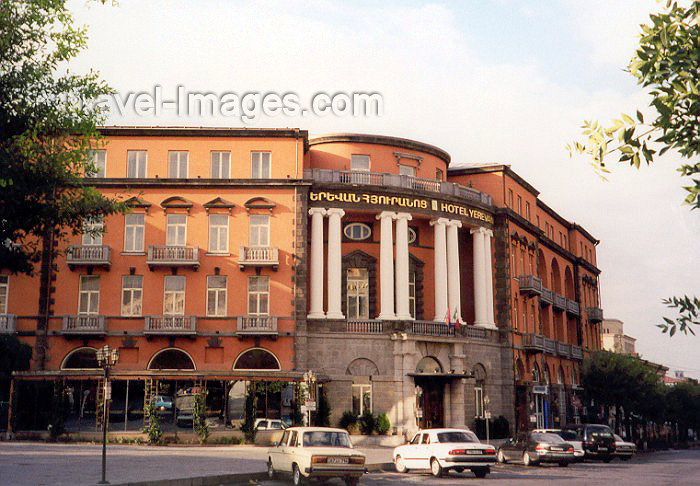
(455, 318)
(447, 317)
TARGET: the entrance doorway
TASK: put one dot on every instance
(429, 403)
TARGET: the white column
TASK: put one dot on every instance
(453, 275)
(386, 265)
(480, 299)
(402, 266)
(316, 259)
(440, 254)
(334, 264)
(490, 320)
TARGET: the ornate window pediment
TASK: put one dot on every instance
(259, 203)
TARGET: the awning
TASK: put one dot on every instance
(441, 376)
(93, 374)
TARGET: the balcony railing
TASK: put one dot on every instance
(573, 307)
(395, 180)
(550, 346)
(595, 314)
(530, 285)
(533, 342)
(173, 256)
(258, 256)
(256, 326)
(576, 352)
(83, 324)
(97, 255)
(431, 328)
(8, 323)
(170, 325)
(365, 327)
(558, 301)
(475, 332)
(546, 297)
(564, 349)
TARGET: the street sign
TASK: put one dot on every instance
(108, 391)
(310, 406)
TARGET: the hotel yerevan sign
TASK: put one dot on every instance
(410, 204)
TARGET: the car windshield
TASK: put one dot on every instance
(600, 431)
(461, 436)
(326, 439)
(568, 435)
(551, 438)
(618, 438)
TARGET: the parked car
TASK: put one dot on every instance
(568, 437)
(316, 452)
(596, 440)
(269, 424)
(624, 450)
(533, 448)
(442, 450)
(163, 403)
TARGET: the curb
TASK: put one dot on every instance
(200, 480)
(381, 467)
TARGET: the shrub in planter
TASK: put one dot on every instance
(367, 423)
(347, 421)
(383, 424)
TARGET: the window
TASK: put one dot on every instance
(412, 236)
(258, 296)
(220, 165)
(4, 291)
(177, 165)
(510, 198)
(407, 170)
(527, 210)
(174, 296)
(520, 205)
(216, 296)
(357, 231)
(358, 293)
(259, 230)
(538, 221)
(361, 399)
(134, 232)
(132, 295)
(89, 295)
(218, 233)
(359, 163)
(260, 165)
(439, 175)
(515, 313)
(176, 230)
(479, 401)
(99, 161)
(136, 163)
(412, 294)
(92, 232)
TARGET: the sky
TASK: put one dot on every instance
(489, 81)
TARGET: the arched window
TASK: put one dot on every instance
(81, 358)
(171, 359)
(536, 373)
(428, 365)
(256, 359)
(357, 231)
(412, 235)
(560, 376)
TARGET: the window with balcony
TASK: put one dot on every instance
(89, 295)
(4, 292)
(174, 295)
(358, 293)
(218, 233)
(177, 165)
(357, 231)
(136, 163)
(439, 175)
(92, 232)
(361, 399)
(258, 296)
(359, 166)
(479, 400)
(216, 296)
(412, 294)
(132, 295)
(515, 313)
(99, 162)
(259, 230)
(407, 170)
(260, 165)
(220, 165)
(134, 230)
(176, 232)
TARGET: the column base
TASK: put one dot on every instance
(485, 325)
(316, 315)
(334, 315)
(406, 317)
(386, 317)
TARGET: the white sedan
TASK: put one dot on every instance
(442, 450)
(316, 452)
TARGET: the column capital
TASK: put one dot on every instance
(405, 216)
(334, 211)
(439, 222)
(386, 214)
(479, 230)
(489, 233)
(454, 222)
(320, 211)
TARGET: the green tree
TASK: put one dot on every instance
(48, 128)
(666, 65)
(683, 408)
(199, 417)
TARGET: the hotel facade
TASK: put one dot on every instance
(436, 295)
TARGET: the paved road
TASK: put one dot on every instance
(677, 468)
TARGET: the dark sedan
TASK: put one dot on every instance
(534, 448)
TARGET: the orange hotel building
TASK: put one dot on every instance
(410, 288)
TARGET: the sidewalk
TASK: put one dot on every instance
(38, 463)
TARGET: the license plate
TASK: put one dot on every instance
(337, 460)
(603, 449)
(557, 449)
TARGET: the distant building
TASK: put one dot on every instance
(614, 339)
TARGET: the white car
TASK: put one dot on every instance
(316, 452)
(269, 424)
(623, 449)
(442, 450)
(569, 437)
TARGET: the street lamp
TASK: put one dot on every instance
(487, 415)
(310, 380)
(106, 358)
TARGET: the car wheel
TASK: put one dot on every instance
(400, 465)
(501, 457)
(459, 469)
(352, 481)
(480, 472)
(607, 460)
(435, 468)
(270, 470)
(527, 461)
(297, 478)
(563, 464)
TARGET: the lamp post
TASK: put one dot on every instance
(310, 380)
(106, 358)
(487, 415)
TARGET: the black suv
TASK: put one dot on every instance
(597, 441)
